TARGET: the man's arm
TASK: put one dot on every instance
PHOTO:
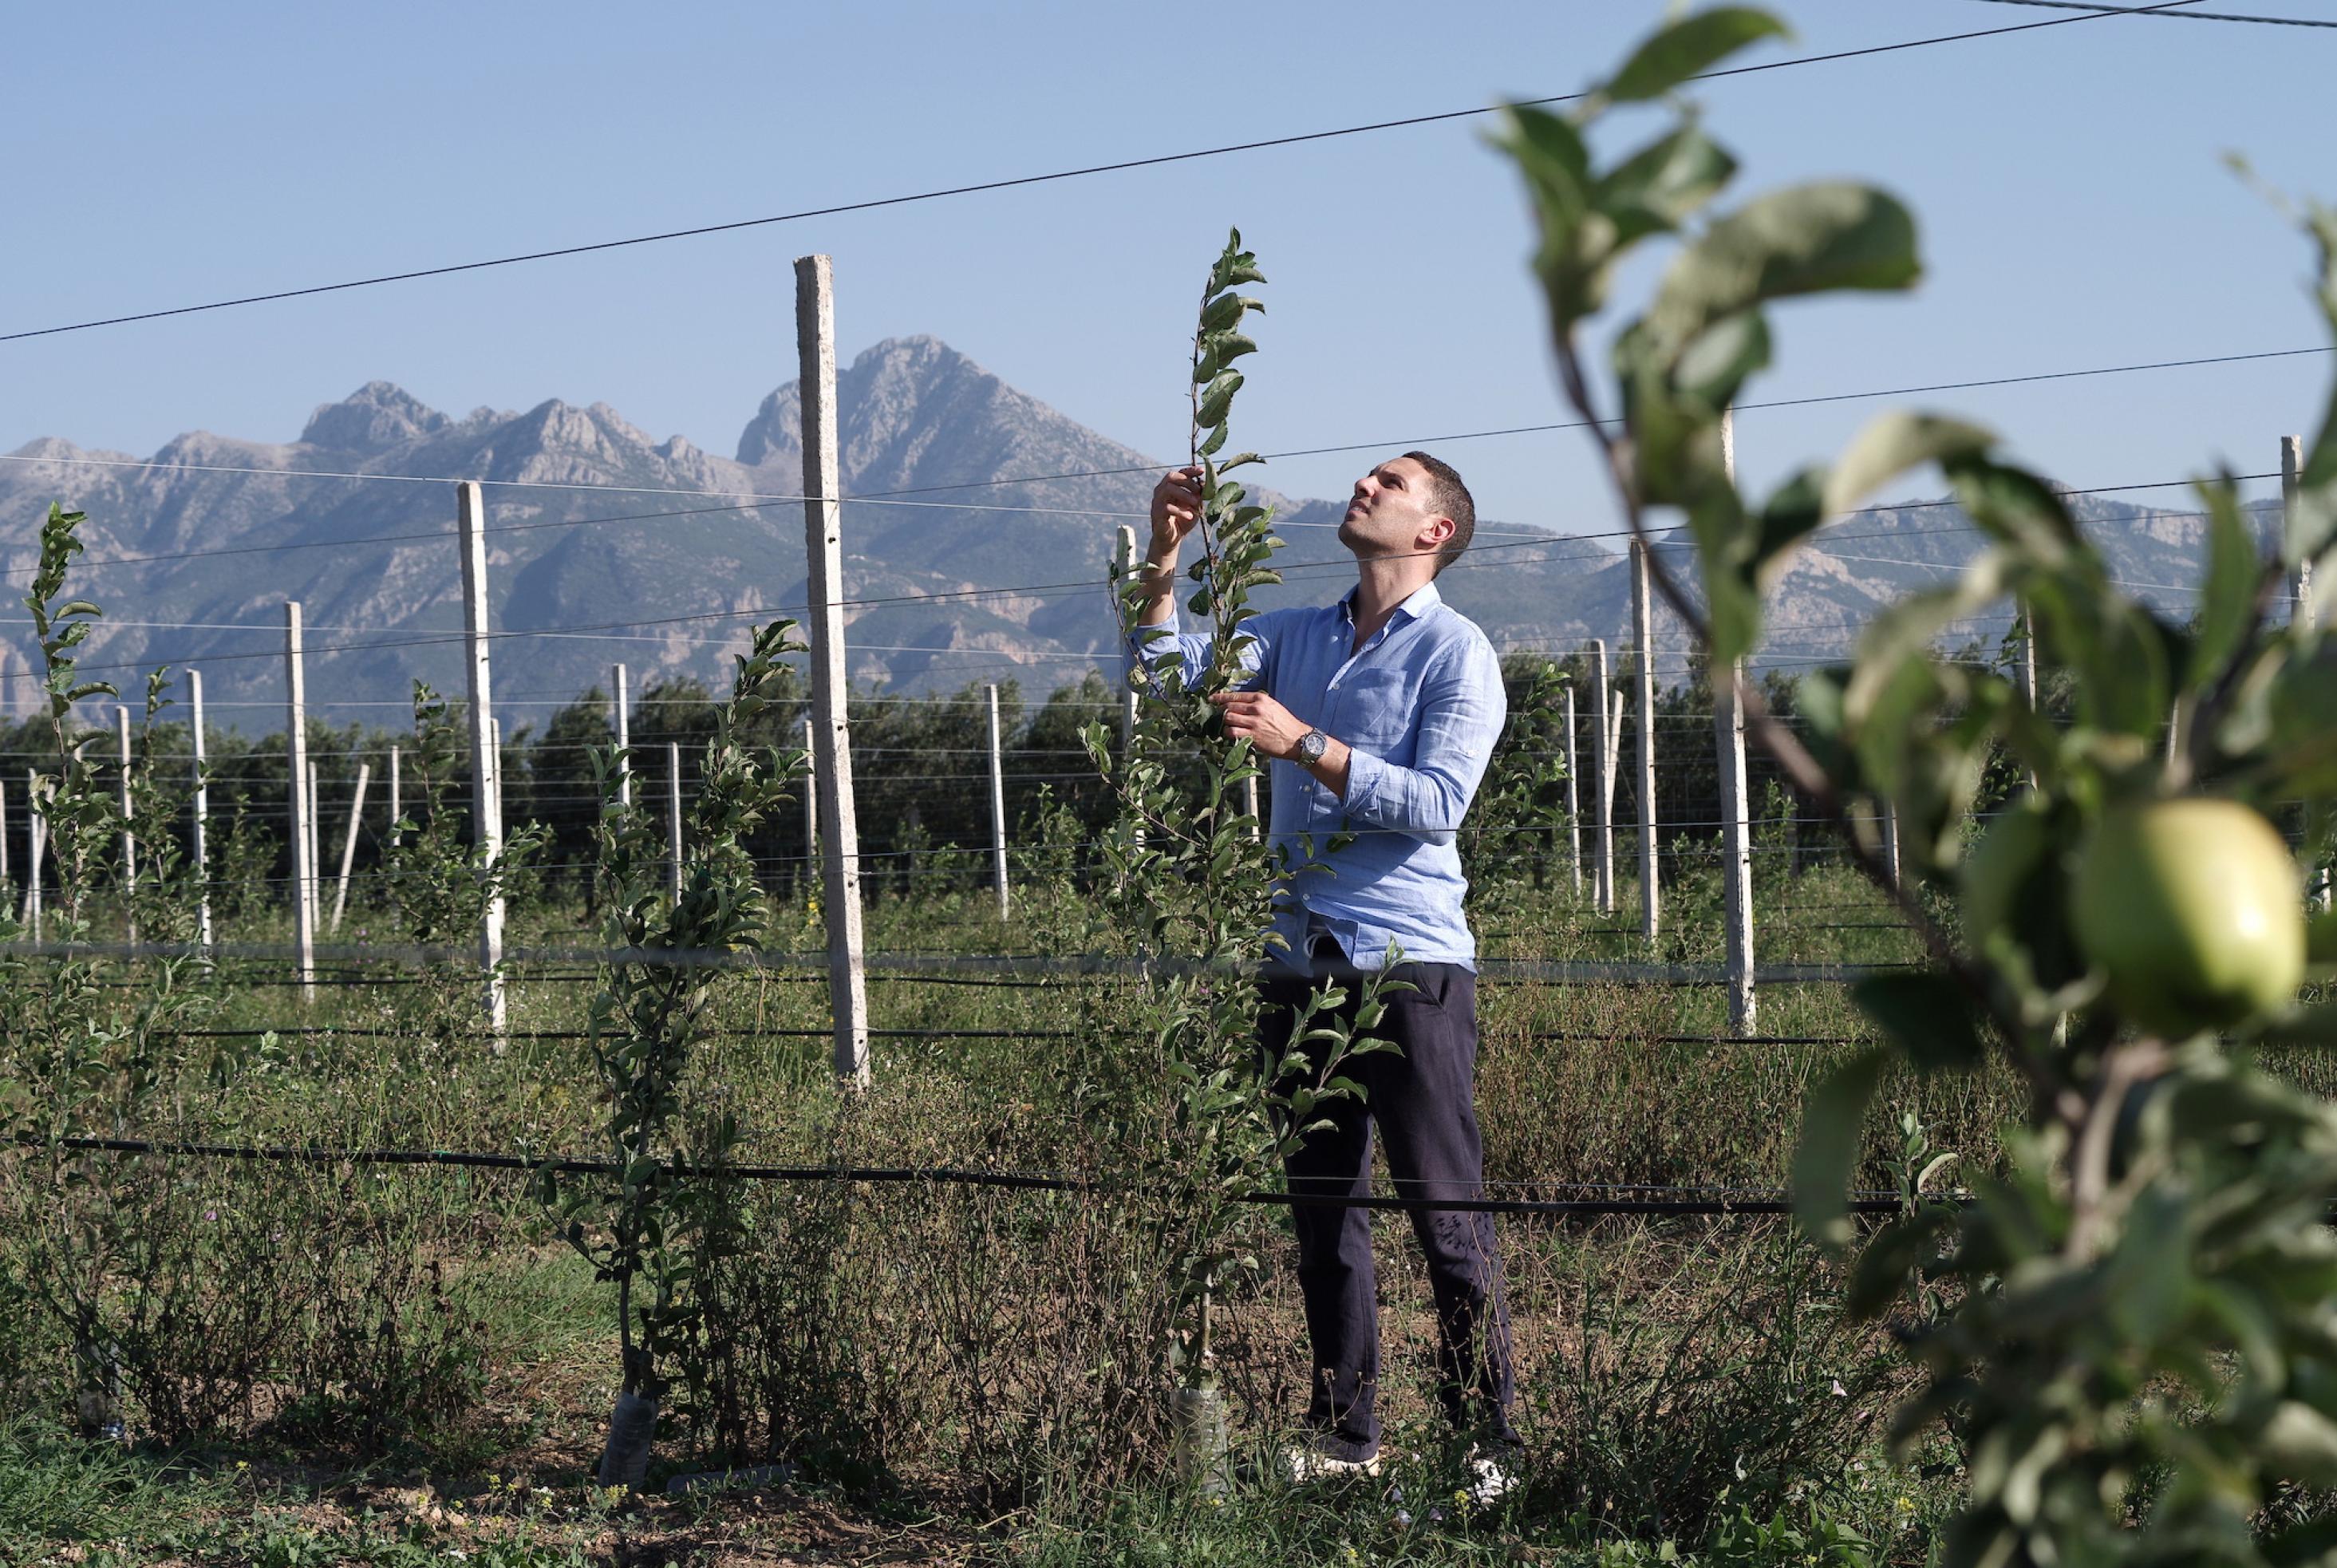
(1463, 708)
(1175, 511)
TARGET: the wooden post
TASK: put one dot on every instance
(1643, 643)
(296, 768)
(202, 812)
(349, 843)
(1602, 847)
(824, 553)
(1735, 812)
(128, 881)
(997, 806)
(673, 820)
(487, 762)
(1573, 816)
(624, 738)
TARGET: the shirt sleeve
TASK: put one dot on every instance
(1167, 645)
(1461, 710)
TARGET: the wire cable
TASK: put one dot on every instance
(2163, 12)
(989, 185)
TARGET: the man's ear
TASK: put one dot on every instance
(1436, 533)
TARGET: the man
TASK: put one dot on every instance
(1380, 713)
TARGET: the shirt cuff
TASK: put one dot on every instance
(1365, 774)
(1148, 641)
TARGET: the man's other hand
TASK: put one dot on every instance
(1175, 508)
(1267, 724)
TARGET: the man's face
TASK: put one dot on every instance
(1389, 512)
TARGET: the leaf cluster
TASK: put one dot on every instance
(2127, 1327)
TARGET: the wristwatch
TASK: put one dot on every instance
(1311, 747)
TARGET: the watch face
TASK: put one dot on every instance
(1312, 745)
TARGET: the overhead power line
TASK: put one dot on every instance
(989, 185)
(2162, 11)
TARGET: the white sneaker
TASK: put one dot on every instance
(1490, 1480)
(1308, 1462)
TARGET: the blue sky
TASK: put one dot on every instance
(2076, 211)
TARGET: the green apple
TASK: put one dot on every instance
(2194, 910)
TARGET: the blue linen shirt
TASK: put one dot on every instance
(1419, 705)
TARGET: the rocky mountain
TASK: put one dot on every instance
(966, 560)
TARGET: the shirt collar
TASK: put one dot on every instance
(1421, 601)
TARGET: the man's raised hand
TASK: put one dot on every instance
(1175, 508)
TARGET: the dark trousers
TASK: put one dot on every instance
(1422, 1098)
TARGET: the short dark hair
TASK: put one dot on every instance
(1449, 497)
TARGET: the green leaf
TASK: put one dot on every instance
(1834, 1121)
(1891, 445)
(2014, 505)
(1907, 632)
(1217, 400)
(1927, 1015)
(1722, 358)
(1225, 311)
(1688, 47)
(2234, 569)
(1659, 187)
(1805, 240)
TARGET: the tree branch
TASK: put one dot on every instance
(1805, 771)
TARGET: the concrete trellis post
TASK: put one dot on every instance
(315, 845)
(1642, 645)
(2028, 669)
(1602, 849)
(832, 735)
(1891, 841)
(811, 819)
(128, 833)
(349, 844)
(2300, 581)
(1573, 815)
(2301, 614)
(1735, 813)
(998, 803)
(396, 805)
(624, 736)
(673, 820)
(486, 757)
(1249, 806)
(1123, 567)
(997, 806)
(296, 768)
(36, 841)
(201, 804)
(5, 884)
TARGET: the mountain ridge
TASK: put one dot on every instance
(961, 565)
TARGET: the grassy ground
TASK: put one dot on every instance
(959, 1375)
